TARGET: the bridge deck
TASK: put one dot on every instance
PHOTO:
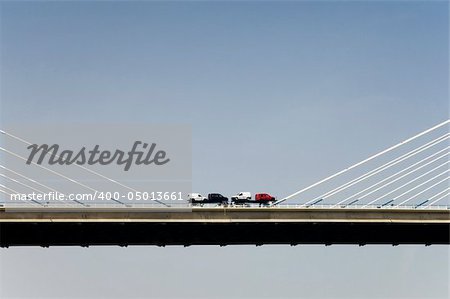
(221, 226)
(222, 214)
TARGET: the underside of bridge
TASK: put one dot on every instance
(222, 226)
(162, 234)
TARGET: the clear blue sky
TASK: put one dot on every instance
(279, 95)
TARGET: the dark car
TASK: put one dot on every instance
(217, 198)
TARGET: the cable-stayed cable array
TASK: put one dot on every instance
(420, 176)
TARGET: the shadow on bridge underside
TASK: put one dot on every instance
(234, 233)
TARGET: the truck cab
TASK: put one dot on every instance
(217, 198)
(241, 197)
(196, 198)
(264, 198)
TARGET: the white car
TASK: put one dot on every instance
(196, 197)
(242, 197)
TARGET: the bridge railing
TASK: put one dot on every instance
(395, 207)
(69, 205)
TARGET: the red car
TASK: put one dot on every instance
(264, 197)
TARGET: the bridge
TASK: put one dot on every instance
(222, 226)
(399, 206)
